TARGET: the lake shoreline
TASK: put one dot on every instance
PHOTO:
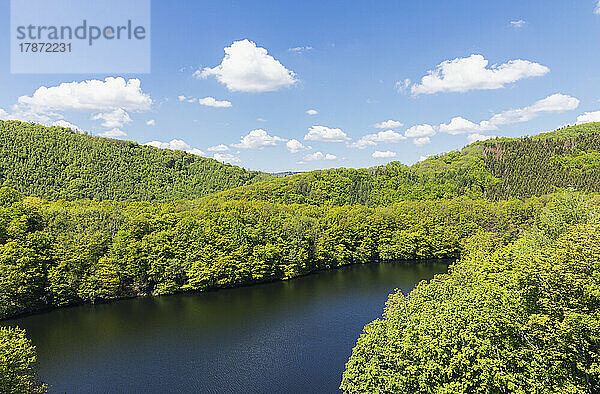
(448, 261)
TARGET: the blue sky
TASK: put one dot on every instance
(349, 62)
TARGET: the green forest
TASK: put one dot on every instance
(58, 163)
(87, 220)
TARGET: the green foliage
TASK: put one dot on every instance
(17, 359)
(520, 318)
(496, 169)
(62, 253)
(55, 163)
(567, 158)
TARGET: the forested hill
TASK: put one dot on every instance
(55, 163)
(495, 169)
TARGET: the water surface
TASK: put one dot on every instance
(293, 336)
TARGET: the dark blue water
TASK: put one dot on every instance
(293, 336)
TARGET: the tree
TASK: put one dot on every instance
(17, 360)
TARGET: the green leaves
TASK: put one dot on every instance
(17, 359)
(520, 318)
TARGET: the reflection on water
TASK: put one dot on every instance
(292, 336)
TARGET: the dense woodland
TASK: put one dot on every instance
(58, 163)
(61, 253)
(85, 219)
(497, 169)
(517, 318)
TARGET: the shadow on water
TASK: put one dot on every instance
(292, 336)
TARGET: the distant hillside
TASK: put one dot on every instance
(494, 169)
(55, 163)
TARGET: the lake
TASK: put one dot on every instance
(293, 336)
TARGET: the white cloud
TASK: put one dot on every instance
(212, 102)
(116, 132)
(388, 137)
(319, 156)
(382, 155)
(553, 103)
(260, 120)
(62, 123)
(312, 111)
(421, 141)
(325, 134)
(459, 125)
(402, 86)
(422, 130)
(471, 73)
(151, 122)
(176, 144)
(181, 98)
(28, 115)
(479, 137)
(597, 9)
(295, 146)
(218, 148)
(257, 139)
(113, 119)
(518, 24)
(227, 158)
(589, 117)
(301, 49)
(248, 68)
(388, 124)
(423, 158)
(89, 96)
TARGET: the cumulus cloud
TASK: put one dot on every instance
(388, 137)
(554, 103)
(388, 124)
(249, 68)
(113, 119)
(472, 73)
(63, 123)
(319, 156)
(89, 96)
(110, 99)
(113, 133)
(212, 102)
(176, 144)
(227, 158)
(423, 158)
(218, 148)
(295, 146)
(181, 98)
(402, 86)
(325, 134)
(383, 155)
(518, 24)
(421, 141)
(151, 122)
(312, 111)
(257, 139)
(422, 130)
(479, 137)
(589, 117)
(459, 125)
(597, 9)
